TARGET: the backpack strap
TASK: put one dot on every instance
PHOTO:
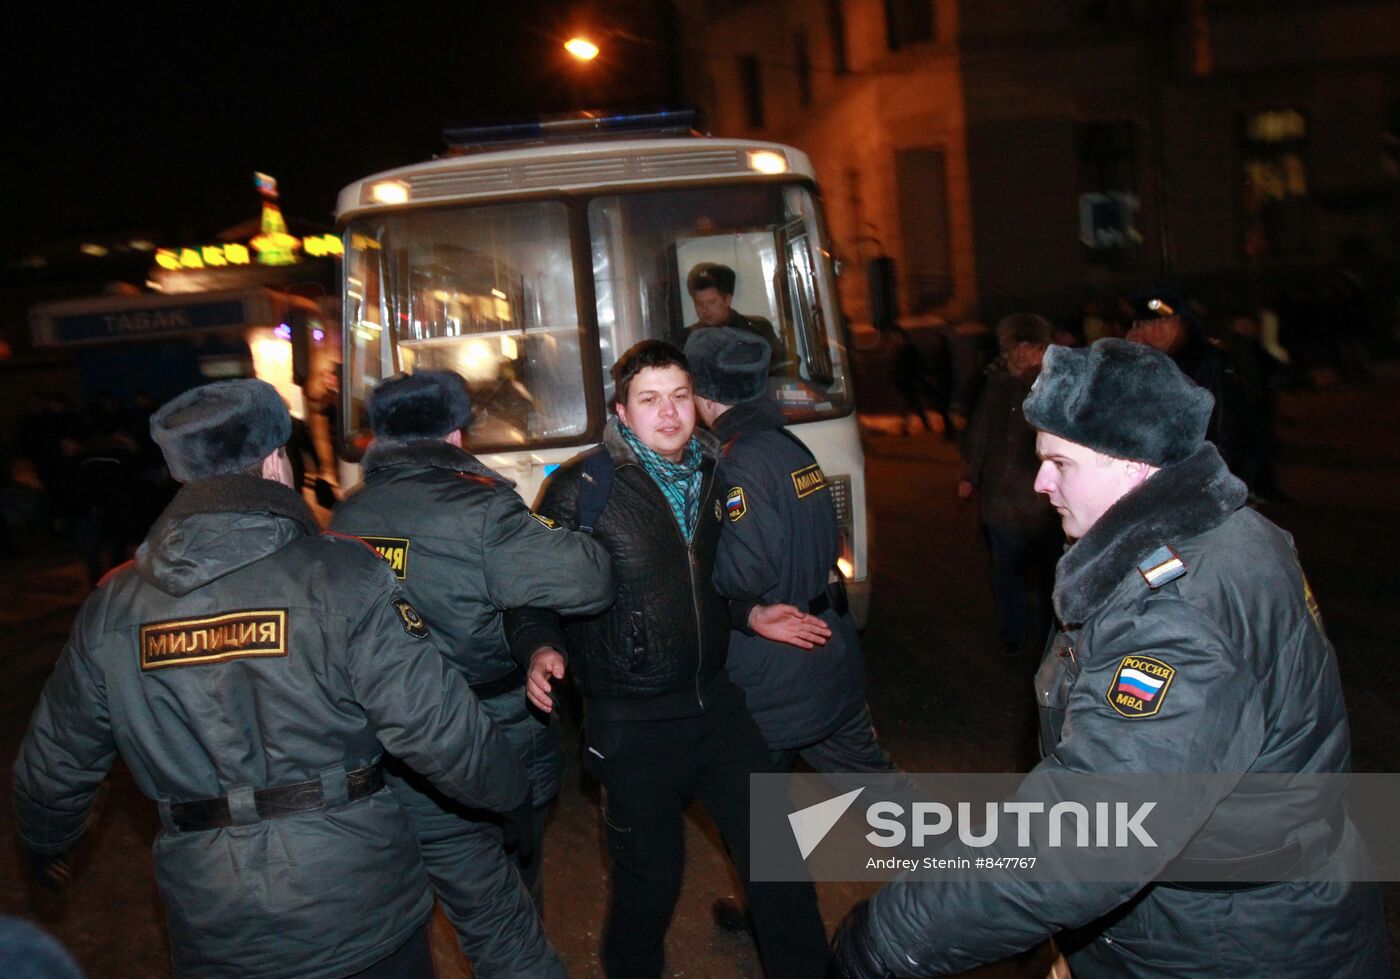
(596, 471)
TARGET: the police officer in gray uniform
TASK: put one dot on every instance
(779, 546)
(250, 670)
(466, 549)
(1189, 643)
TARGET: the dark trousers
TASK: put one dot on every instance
(476, 882)
(1023, 573)
(412, 960)
(650, 770)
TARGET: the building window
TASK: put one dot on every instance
(752, 83)
(1275, 183)
(1108, 199)
(908, 22)
(803, 62)
(836, 27)
(922, 181)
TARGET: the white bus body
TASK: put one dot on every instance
(529, 268)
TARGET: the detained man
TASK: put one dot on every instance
(663, 722)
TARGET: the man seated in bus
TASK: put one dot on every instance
(711, 288)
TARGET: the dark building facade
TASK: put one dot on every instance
(1014, 154)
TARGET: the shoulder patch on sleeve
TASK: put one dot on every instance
(735, 504)
(1313, 609)
(413, 623)
(1140, 684)
(551, 524)
(1160, 567)
(808, 480)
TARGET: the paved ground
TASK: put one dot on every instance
(944, 699)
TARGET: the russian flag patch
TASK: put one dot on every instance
(1140, 685)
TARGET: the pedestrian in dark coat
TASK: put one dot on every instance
(467, 549)
(999, 466)
(1168, 572)
(250, 671)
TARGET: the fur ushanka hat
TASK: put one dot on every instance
(727, 364)
(220, 428)
(1120, 398)
(421, 405)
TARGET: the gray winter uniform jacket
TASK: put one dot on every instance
(779, 545)
(466, 549)
(247, 650)
(1251, 687)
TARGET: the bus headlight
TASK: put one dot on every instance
(388, 192)
(766, 161)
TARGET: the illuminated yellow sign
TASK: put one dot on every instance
(276, 248)
(272, 249)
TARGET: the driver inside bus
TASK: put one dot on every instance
(711, 288)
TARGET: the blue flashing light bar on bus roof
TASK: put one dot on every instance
(572, 126)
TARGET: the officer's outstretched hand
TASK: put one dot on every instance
(50, 872)
(789, 624)
(546, 666)
(851, 955)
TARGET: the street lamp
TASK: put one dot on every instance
(581, 48)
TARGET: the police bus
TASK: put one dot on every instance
(529, 257)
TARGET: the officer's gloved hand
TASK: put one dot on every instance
(851, 954)
(49, 871)
(519, 827)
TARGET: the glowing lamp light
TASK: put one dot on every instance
(581, 48)
(282, 332)
(389, 192)
(847, 569)
(167, 259)
(766, 161)
(92, 249)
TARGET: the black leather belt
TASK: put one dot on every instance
(513, 680)
(281, 800)
(834, 597)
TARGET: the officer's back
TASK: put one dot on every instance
(247, 669)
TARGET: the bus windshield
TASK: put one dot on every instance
(492, 292)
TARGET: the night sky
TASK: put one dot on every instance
(154, 115)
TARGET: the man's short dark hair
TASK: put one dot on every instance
(640, 356)
(711, 275)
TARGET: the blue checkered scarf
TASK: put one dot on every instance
(680, 482)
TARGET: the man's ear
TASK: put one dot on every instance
(1138, 472)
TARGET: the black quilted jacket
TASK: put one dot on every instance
(659, 651)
